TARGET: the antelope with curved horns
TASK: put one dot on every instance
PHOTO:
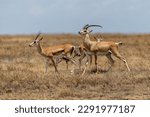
(101, 47)
(49, 52)
(84, 53)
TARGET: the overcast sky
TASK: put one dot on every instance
(69, 16)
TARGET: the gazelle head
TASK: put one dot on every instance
(36, 40)
(85, 30)
(76, 51)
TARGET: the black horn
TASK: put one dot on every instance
(94, 26)
(86, 26)
(37, 35)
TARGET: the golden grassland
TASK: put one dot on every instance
(22, 70)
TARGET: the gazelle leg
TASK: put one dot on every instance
(110, 60)
(124, 60)
(80, 59)
(52, 59)
(67, 65)
(117, 54)
(58, 59)
(126, 64)
(96, 63)
(86, 64)
(67, 59)
(83, 71)
(46, 65)
(90, 57)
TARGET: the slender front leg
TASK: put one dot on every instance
(86, 64)
(46, 65)
(89, 56)
(80, 59)
(54, 64)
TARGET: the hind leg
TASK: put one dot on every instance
(67, 59)
(110, 60)
(117, 54)
(61, 57)
(58, 59)
(80, 60)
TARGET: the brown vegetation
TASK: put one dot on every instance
(22, 71)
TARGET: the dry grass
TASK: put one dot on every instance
(22, 71)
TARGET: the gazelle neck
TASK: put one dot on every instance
(87, 41)
(39, 48)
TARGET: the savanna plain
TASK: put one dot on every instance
(22, 73)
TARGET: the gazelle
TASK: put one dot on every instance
(49, 52)
(101, 47)
(84, 53)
